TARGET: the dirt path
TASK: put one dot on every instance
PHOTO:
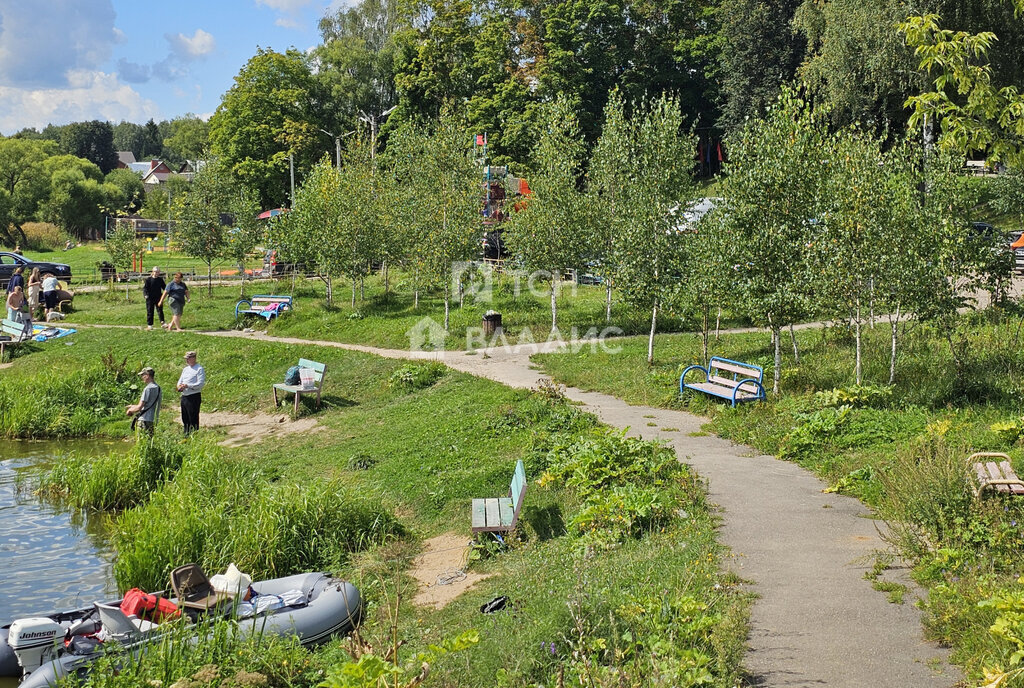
(817, 621)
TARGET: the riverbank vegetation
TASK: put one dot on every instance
(902, 448)
(611, 580)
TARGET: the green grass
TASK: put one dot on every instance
(417, 442)
(382, 320)
(902, 450)
(83, 259)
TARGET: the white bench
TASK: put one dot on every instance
(13, 332)
(732, 380)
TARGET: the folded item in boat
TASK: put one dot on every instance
(258, 604)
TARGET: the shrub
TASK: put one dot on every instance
(854, 396)
(626, 486)
(416, 375)
(43, 236)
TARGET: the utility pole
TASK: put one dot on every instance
(291, 169)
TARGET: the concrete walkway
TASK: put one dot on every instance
(817, 621)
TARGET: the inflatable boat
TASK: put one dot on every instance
(46, 648)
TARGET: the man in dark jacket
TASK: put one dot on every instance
(17, 280)
(153, 288)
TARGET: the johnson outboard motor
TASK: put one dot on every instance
(35, 641)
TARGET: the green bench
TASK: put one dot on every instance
(298, 390)
(500, 514)
(13, 332)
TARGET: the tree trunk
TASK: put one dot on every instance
(362, 290)
(718, 323)
(330, 289)
(209, 279)
(856, 334)
(554, 305)
(650, 340)
(386, 279)
(705, 332)
(892, 353)
(353, 293)
(607, 301)
(462, 292)
(447, 305)
(796, 350)
(777, 382)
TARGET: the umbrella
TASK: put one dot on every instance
(271, 213)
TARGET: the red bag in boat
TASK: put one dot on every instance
(146, 606)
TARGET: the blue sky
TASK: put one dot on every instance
(72, 60)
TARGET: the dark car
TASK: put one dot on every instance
(10, 261)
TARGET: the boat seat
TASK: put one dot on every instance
(193, 589)
(116, 623)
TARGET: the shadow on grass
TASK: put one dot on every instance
(546, 521)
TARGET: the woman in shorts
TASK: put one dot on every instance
(50, 287)
(176, 295)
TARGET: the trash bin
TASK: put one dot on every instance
(491, 323)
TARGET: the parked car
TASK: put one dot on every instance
(10, 261)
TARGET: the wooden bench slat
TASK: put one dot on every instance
(720, 391)
(493, 518)
(999, 477)
(505, 511)
(732, 368)
(479, 514)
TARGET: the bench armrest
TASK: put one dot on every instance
(688, 369)
(239, 305)
(736, 389)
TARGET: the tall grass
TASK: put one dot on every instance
(218, 511)
(120, 479)
(67, 403)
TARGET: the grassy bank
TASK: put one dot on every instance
(901, 448)
(385, 319)
(618, 578)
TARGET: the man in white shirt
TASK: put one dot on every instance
(190, 384)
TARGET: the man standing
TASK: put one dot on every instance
(153, 288)
(17, 280)
(190, 384)
(148, 408)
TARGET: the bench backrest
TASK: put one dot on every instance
(734, 371)
(13, 328)
(517, 490)
(267, 299)
(318, 369)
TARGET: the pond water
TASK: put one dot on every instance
(51, 558)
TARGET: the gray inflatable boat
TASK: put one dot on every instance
(63, 643)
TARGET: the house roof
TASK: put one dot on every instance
(125, 158)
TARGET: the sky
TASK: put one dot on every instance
(75, 60)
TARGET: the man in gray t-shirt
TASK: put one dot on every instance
(148, 408)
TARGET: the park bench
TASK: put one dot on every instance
(298, 390)
(500, 514)
(13, 332)
(266, 306)
(727, 379)
(993, 475)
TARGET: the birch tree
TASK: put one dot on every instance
(772, 191)
(548, 233)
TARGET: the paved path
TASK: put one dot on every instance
(817, 621)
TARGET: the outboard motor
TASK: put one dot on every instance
(35, 641)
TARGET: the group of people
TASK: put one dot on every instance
(24, 300)
(190, 386)
(157, 291)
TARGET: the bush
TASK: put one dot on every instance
(416, 375)
(43, 236)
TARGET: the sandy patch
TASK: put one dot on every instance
(249, 429)
(442, 556)
(5, 365)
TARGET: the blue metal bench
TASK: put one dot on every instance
(264, 306)
(732, 380)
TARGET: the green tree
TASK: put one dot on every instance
(772, 192)
(129, 136)
(24, 183)
(124, 247)
(131, 188)
(188, 140)
(549, 232)
(647, 254)
(271, 112)
(93, 141)
(206, 217)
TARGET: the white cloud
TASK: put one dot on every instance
(287, 23)
(89, 95)
(189, 48)
(41, 40)
(284, 5)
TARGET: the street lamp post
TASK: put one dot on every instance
(372, 120)
(337, 145)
